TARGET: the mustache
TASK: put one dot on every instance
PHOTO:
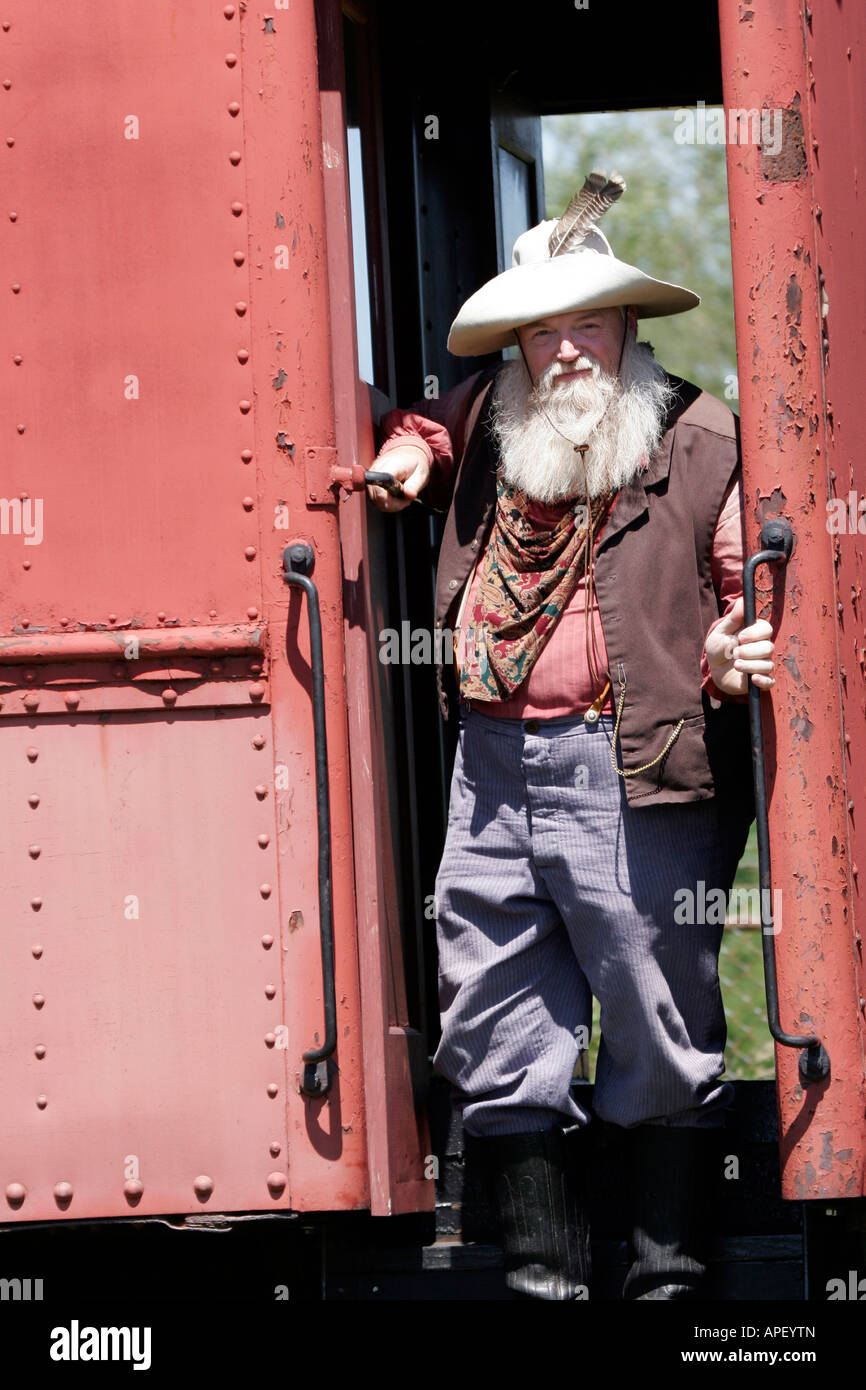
(581, 364)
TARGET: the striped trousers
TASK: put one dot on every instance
(551, 890)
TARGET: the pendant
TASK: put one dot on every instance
(592, 714)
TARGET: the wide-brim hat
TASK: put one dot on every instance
(580, 272)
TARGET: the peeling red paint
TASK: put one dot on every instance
(802, 422)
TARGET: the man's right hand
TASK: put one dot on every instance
(410, 466)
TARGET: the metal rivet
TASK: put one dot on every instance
(252, 612)
(25, 564)
(16, 1191)
(25, 622)
(216, 667)
(39, 1051)
(33, 800)
(29, 675)
(261, 791)
(235, 157)
(250, 552)
(247, 455)
(229, 11)
(169, 696)
(245, 407)
(41, 1102)
(263, 841)
(31, 701)
(265, 889)
(38, 1000)
(256, 668)
(275, 1149)
(452, 583)
(32, 754)
(34, 851)
(276, 1184)
(257, 691)
(18, 359)
(240, 308)
(270, 991)
(231, 59)
(36, 904)
(63, 1193)
(234, 108)
(13, 217)
(270, 1039)
(160, 617)
(243, 355)
(37, 950)
(71, 701)
(259, 741)
(133, 1190)
(267, 942)
(203, 1187)
(273, 1089)
(9, 141)
(16, 288)
(238, 257)
(237, 209)
(6, 83)
(20, 428)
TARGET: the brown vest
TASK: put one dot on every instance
(655, 595)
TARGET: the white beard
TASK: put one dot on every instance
(620, 417)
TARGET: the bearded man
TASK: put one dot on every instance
(591, 573)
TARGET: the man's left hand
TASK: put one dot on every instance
(734, 653)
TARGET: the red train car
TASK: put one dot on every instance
(229, 244)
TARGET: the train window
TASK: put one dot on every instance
(515, 196)
(517, 168)
(359, 255)
(366, 197)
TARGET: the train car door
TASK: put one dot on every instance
(167, 432)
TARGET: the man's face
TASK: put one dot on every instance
(574, 343)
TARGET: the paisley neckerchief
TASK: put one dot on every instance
(527, 578)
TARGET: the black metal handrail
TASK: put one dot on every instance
(777, 540)
(298, 560)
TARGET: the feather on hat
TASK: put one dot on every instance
(561, 265)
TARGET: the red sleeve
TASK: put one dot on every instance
(727, 571)
(437, 427)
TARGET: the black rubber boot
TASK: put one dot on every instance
(671, 1174)
(537, 1187)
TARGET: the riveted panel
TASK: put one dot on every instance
(125, 368)
(143, 1033)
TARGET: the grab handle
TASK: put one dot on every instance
(298, 562)
(777, 540)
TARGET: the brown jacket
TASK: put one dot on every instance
(655, 593)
